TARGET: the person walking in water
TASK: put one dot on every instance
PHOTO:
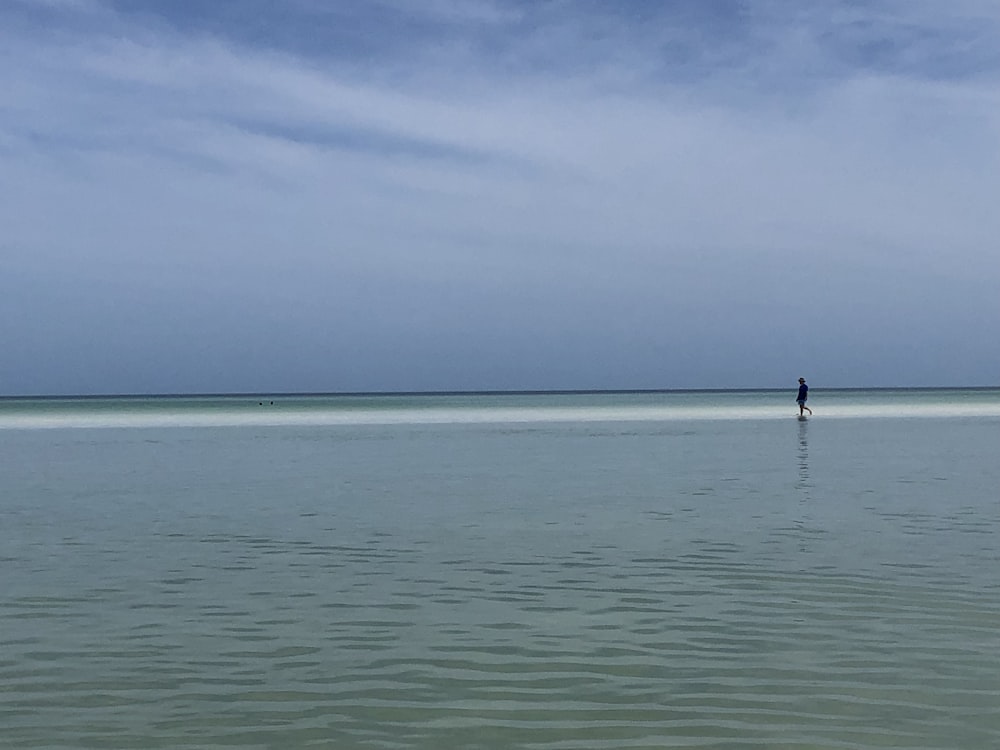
(802, 397)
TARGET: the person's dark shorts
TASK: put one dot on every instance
(800, 401)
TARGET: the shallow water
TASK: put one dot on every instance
(571, 571)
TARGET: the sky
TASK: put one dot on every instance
(391, 195)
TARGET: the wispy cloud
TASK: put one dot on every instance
(579, 172)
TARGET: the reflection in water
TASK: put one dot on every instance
(803, 483)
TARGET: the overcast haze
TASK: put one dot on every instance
(304, 195)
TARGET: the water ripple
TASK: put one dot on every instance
(686, 651)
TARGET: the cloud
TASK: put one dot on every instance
(609, 184)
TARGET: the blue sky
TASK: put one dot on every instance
(304, 195)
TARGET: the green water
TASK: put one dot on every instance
(572, 571)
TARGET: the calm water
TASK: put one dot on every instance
(550, 571)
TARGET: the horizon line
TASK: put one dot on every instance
(477, 392)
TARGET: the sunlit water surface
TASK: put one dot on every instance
(544, 571)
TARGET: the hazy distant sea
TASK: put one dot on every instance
(564, 571)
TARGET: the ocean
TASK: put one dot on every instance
(553, 571)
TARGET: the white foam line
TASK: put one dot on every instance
(492, 415)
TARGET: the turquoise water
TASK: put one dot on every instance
(247, 411)
(531, 571)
